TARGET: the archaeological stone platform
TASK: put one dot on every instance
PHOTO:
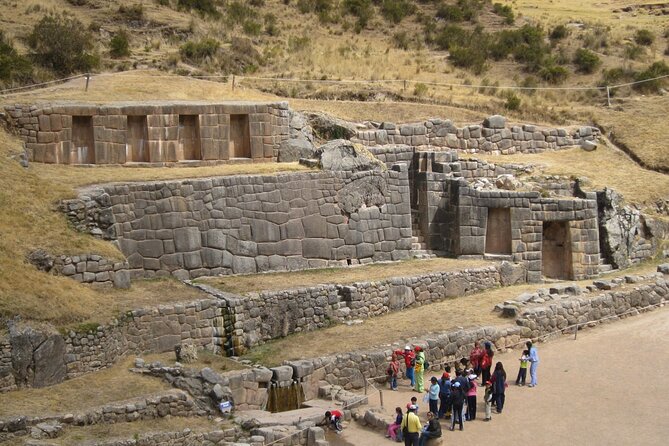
(153, 133)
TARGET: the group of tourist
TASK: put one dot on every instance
(453, 397)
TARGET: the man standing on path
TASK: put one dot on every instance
(409, 362)
(411, 427)
(534, 363)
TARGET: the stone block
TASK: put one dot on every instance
(265, 231)
(243, 265)
(317, 248)
(187, 239)
(150, 248)
(282, 373)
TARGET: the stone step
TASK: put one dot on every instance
(418, 246)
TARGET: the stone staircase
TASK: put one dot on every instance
(419, 248)
(605, 268)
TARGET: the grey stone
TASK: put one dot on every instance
(398, 296)
(243, 265)
(588, 146)
(49, 362)
(663, 268)
(327, 127)
(282, 373)
(210, 376)
(187, 239)
(291, 150)
(494, 122)
(342, 155)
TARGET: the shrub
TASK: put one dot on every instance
(198, 51)
(468, 57)
(251, 27)
(553, 73)
(504, 11)
(239, 12)
(655, 70)
(450, 36)
(131, 13)
(597, 38)
(451, 13)
(420, 90)
(13, 66)
(119, 46)
(362, 9)
(396, 10)
(633, 52)
(586, 61)
(296, 44)
(559, 32)
(512, 101)
(163, 2)
(270, 25)
(63, 45)
(401, 40)
(202, 7)
(644, 37)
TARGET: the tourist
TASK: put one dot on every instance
(445, 394)
(413, 402)
(522, 371)
(487, 397)
(394, 430)
(458, 398)
(411, 427)
(471, 398)
(393, 371)
(333, 419)
(475, 358)
(534, 363)
(433, 396)
(409, 362)
(418, 369)
(499, 386)
(431, 430)
(461, 378)
(486, 362)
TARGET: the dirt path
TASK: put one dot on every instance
(608, 387)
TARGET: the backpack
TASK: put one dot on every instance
(426, 365)
(413, 361)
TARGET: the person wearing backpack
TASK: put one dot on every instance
(418, 369)
(445, 394)
(458, 397)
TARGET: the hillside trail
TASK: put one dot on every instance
(608, 386)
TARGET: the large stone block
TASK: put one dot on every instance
(187, 239)
(150, 248)
(243, 265)
(317, 248)
(264, 231)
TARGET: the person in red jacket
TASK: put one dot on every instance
(333, 418)
(409, 361)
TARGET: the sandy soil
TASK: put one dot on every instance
(607, 387)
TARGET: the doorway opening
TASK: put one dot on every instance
(556, 260)
(498, 231)
(189, 137)
(240, 140)
(138, 135)
(82, 150)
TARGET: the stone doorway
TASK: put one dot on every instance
(556, 260)
(240, 141)
(189, 138)
(137, 147)
(498, 231)
(82, 149)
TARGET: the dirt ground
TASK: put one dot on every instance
(606, 387)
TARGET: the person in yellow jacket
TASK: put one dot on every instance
(419, 369)
(411, 427)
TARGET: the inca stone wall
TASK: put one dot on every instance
(248, 224)
(51, 136)
(443, 200)
(492, 136)
(92, 268)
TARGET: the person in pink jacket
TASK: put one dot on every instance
(471, 398)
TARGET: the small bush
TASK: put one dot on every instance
(450, 36)
(131, 13)
(396, 10)
(468, 57)
(644, 37)
(512, 101)
(119, 46)
(504, 11)
(252, 28)
(296, 44)
(597, 38)
(13, 66)
(362, 9)
(586, 61)
(450, 13)
(559, 32)
(401, 40)
(420, 90)
(63, 45)
(203, 7)
(197, 52)
(271, 28)
(163, 3)
(633, 52)
(553, 73)
(78, 2)
(655, 70)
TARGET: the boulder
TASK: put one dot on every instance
(291, 150)
(494, 122)
(186, 352)
(343, 155)
(507, 182)
(588, 146)
(327, 127)
(41, 259)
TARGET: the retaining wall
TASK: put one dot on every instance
(492, 136)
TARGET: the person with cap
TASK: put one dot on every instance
(432, 430)
(418, 369)
(445, 394)
(471, 397)
(433, 395)
(534, 363)
(411, 427)
(409, 362)
(487, 397)
(458, 398)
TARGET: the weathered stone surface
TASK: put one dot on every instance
(187, 239)
(291, 150)
(399, 297)
(494, 122)
(342, 155)
(328, 127)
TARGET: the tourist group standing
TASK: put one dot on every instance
(453, 397)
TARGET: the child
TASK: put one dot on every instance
(471, 398)
(488, 401)
(414, 402)
(333, 418)
(522, 371)
(394, 431)
(392, 371)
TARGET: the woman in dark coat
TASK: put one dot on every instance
(499, 386)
